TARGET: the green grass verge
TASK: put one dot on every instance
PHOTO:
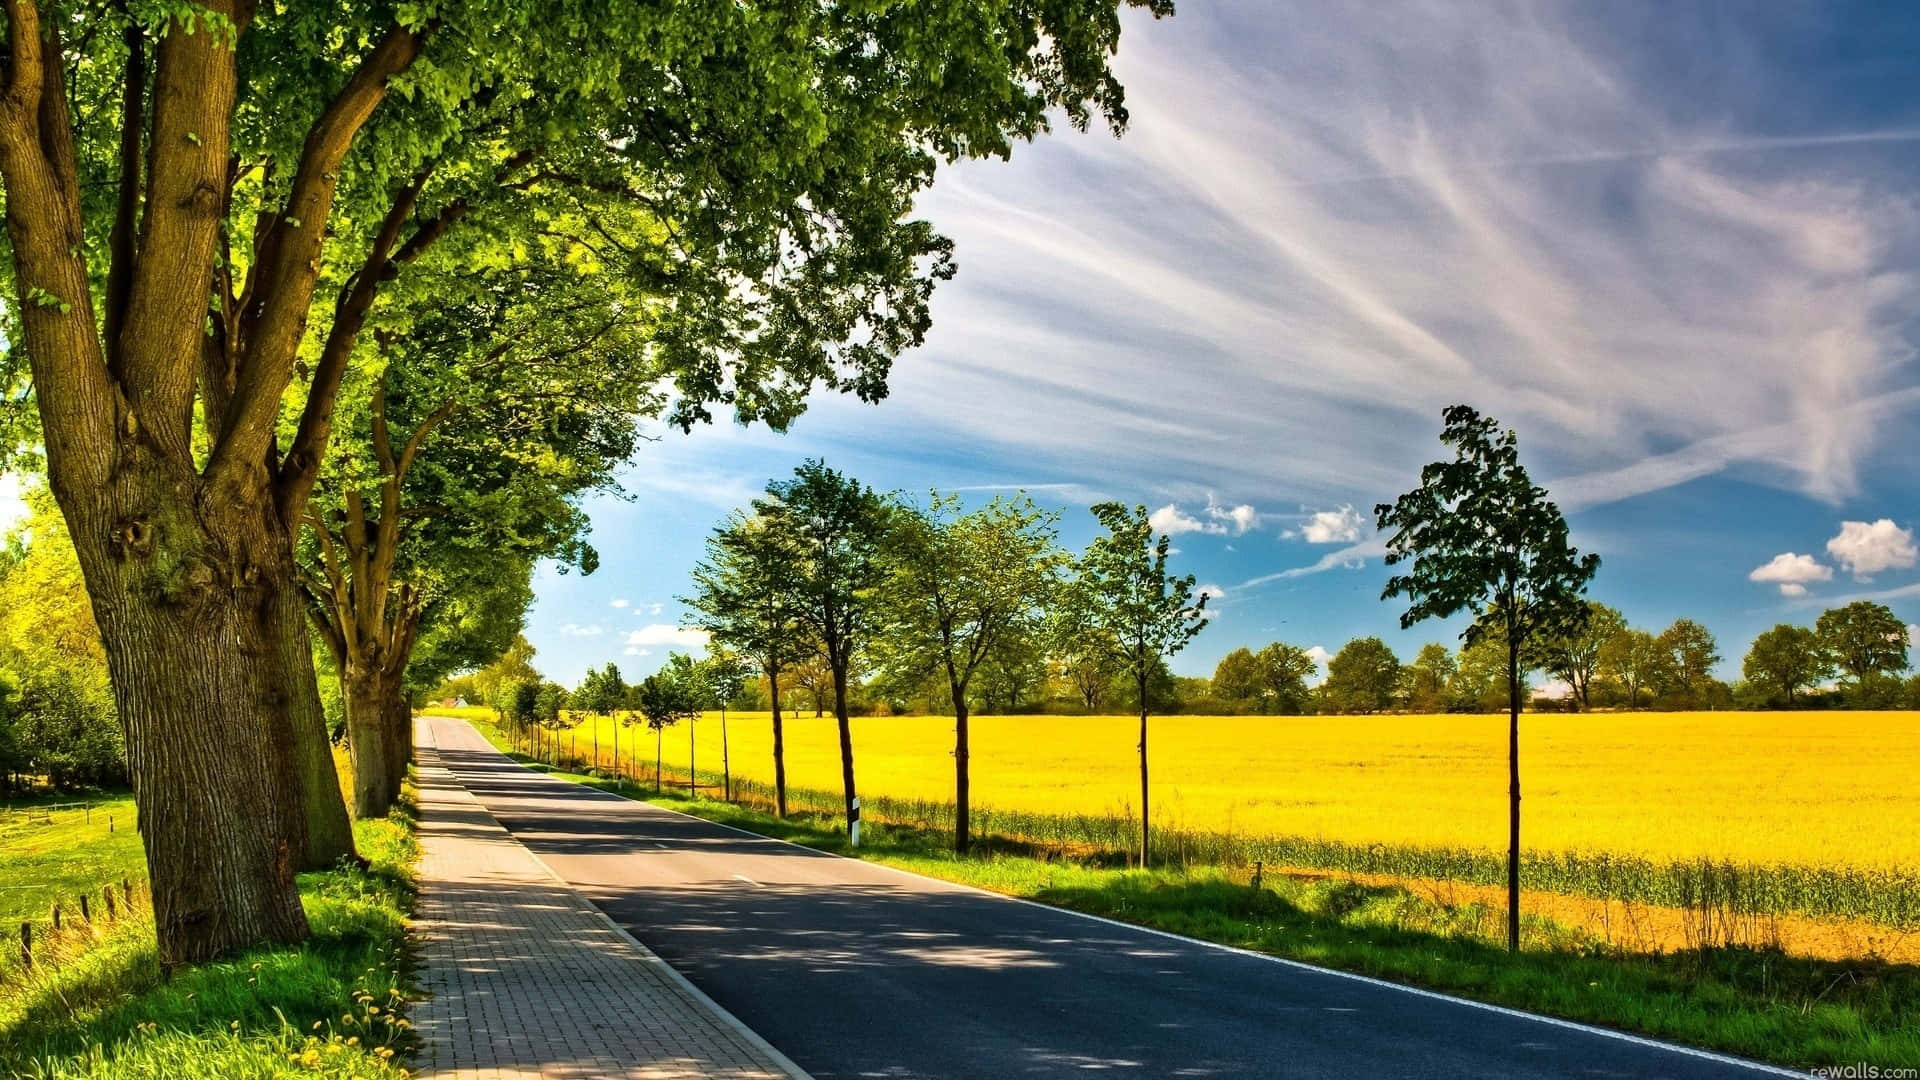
(1757, 1003)
(331, 1006)
(49, 854)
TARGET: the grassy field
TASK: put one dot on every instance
(96, 1005)
(56, 848)
(1759, 1003)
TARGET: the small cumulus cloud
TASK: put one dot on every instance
(1220, 520)
(577, 630)
(654, 609)
(1173, 521)
(1342, 526)
(1864, 549)
(1791, 572)
(668, 634)
(620, 603)
(635, 650)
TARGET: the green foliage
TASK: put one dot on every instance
(1425, 681)
(743, 596)
(837, 527)
(1362, 677)
(960, 588)
(1787, 660)
(1864, 639)
(1483, 538)
(1694, 654)
(601, 691)
(1635, 662)
(670, 695)
(1273, 680)
(1576, 657)
(1122, 597)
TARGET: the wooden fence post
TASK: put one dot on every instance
(26, 943)
(85, 914)
(56, 914)
(106, 893)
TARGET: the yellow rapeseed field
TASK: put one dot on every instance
(1809, 788)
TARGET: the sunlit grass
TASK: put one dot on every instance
(333, 1006)
(49, 854)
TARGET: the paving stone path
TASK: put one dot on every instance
(530, 980)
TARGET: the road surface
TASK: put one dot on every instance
(855, 970)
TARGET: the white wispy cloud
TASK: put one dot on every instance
(1173, 521)
(668, 634)
(635, 650)
(1479, 203)
(1791, 572)
(577, 630)
(1864, 549)
(1352, 557)
(617, 603)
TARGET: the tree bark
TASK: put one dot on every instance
(846, 748)
(962, 824)
(1145, 834)
(289, 689)
(1513, 793)
(368, 741)
(779, 746)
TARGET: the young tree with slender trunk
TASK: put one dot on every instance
(1484, 539)
(744, 597)
(1123, 598)
(837, 526)
(724, 675)
(958, 586)
(258, 151)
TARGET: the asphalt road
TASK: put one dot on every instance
(854, 970)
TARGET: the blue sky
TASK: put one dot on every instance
(1672, 245)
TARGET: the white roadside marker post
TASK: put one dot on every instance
(853, 823)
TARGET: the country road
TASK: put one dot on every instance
(855, 970)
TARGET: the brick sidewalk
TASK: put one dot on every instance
(529, 980)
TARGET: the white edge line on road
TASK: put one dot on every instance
(1300, 965)
(647, 955)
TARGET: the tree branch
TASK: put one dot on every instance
(290, 263)
(120, 242)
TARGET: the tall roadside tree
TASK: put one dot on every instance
(745, 596)
(167, 265)
(492, 406)
(1122, 597)
(837, 527)
(724, 674)
(1484, 539)
(958, 587)
(1576, 659)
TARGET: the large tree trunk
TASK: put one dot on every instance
(1513, 794)
(846, 753)
(291, 690)
(179, 601)
(779, 749)
(399, 730)
(368, 742)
